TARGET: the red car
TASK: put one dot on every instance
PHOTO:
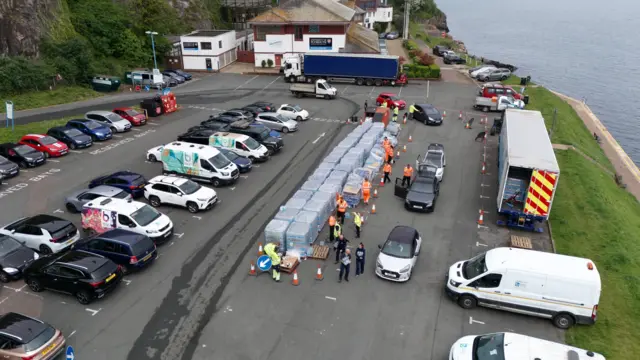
(46, 144)
(391, 99)
(497, 90)
(134, 117)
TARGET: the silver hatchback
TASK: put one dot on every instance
(76, 200)
(277, 122)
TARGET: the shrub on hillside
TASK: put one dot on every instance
(19, 75)
(415, 71)
(426, 60)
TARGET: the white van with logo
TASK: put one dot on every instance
(242, 145)
(563, 288)
(103, 214)
(199, 162)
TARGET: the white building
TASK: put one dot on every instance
(208, 50)
(376, 11)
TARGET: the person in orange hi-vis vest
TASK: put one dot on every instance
(386, 142)
(387, 171)
(366, 190)
(342, 210)
(332, 226)
(389, 150)
(408, 172)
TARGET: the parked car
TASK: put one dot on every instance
(14, 258)
(128, 249)
(49, 146)
(241, 124)
(453, 58)
(72, 137)
(238, 114)
(423, 191)
(26, 338)
(169, 81)
(294, 112)
(398, 254)
(439, 50)
(382, 35)
(497, 90)
(494, 75)
(155, 153)
(85, 275)
(182, 73)
(23, 155)
(391, 99)
(97, 131)
(178, 191)
(44, 233)
(210, 125)
(8, 169)
(393, 35)
(253, 109)
(277, 122)
(227, 119)
(128, 181)
(264, 105)
(244, 164)
(75, 201)
(427, 114)
(179, 79)
(480, 69)
(197, 137)
(114, 121)
(134, 117)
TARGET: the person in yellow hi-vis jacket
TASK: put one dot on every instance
(412, 108)
(395, 113)
(272, 250)
(357, 220)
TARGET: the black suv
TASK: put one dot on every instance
(85, 275)
(200, 136)
(439, 50)
(259, 134)
(14, 258)
(23, 155)
(453, 59)
(422, 193)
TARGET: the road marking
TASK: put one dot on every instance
(400, 92)
(483, 185)
(271, 82)
(256, 166)
(127, 281)
(25, 170)
(178, 235)
(158, 256)
(136, 129)
(118, 136)
(371, 92)
(93, 312)
(244, 176)
(3, 300)
(484, 197)
(4, 183)
(246, 82)
(232, 188)
(197, 217)
(318, 139)
(74, 151)
(173, 242)
(478, 244)
(55, 161)
(471, 321)
(482, 227)
(10, 288)
(345, 89)
(70, 335)
(154, 124)
(330, 298)
(56, 211)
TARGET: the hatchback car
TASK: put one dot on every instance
(44, 233)
(25, 338)
(8, 169)
(494, 75)
(114, 121)
(23, 155)
(97, 131)
(277, 122)
(126, 248)
(238, 114)
(393, 35)
(155, 153)
(128, 181)
(427, 114)
(85, 275)
(14, 258)
(185, 75)
(253, 109)
(74, 138)
(453, 58)
(294, 112)
(131, 115)
(169, 81)
(439, 50)
(177, 191)
(391, 99)
(398, 254)
(49, 146)
(265, 106)
(474, 72)
(210, 125)
(244, 164)
(77, 199)
(179, 79)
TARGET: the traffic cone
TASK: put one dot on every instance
(260, 250)
(484, 169)
(373, 209)
(295, 281)
(467, 126)
(382, 181)
(319, 275)
(398, 155)
(481, 218)
(460, 116)
(404, 148)
(444, 113)
(375, 193)
(252, 270)
(410, 139)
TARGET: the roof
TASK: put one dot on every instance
(21, 327)
(114, 204)
(122, 236)
(361, 40)
(100, 112)
(522, 347)
(173, 180)
(402, 234)
(102, 190)
(528, 141)
(306, 11)
(206, 33)
(231, 135)
(185, 146)
(47, 222)
(242, 33)
(83, 259)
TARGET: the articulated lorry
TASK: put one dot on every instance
(528, 171)
(361, 69)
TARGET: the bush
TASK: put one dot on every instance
(416, 71)
(19, 75)
(264, 63)
(402, 60)
(410, 45)
(426, 60)
(270, 63)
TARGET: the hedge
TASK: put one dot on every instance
(415, 71)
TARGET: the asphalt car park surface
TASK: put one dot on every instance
(197, 301)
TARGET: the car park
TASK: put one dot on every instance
(8, 169)
(277, 122)
(155, 153)
(43, 233)
(242, 145)
(14, 258)
(23, 155)
(434, 157)
(131, 250)
(131, 115)
(244, 164)
(75, 201)
(74, 138)
(391, 99)
(26, 338)
(294, 112)
(398, 254)
(427, 114)
(494, 75)
(177, 191)
(49, 146)
(212, 166)
(422, 192)
(115, 122)
(79, 273)
(97, 131)
(131, 182)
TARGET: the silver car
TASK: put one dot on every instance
(114, 121)
(75, 201)
(277, 122)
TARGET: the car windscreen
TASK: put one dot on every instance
(474, 267)
(73, 132)
(489, 347)
(189, 187)
(47, 140)
(139, 247)
(4, 161)
(297, 108)
(423, 187)
(264, 134)
(397, 249)
(42, 338)
(8, 245)
(431, 111)
(24, 150)
(132, 112)
(219, 161)
(230, 154)
(145, 215)
(114, 117)
(252, 144)
(434, 159)
(121, 195)
(92, 125)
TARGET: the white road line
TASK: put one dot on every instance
(25, 170)
(483, 185)
(70, 335)
(345, 89)
(56, 211)
(400, 92)
(246, 82)
(136, 129)
(73, 151)
(482, 227)
(479, 244)
(154, 124)
(244, 176)
(256, 166)
(371, 92)
(471, 321)
(118, 136)
(318, 139)
(55, 161)
(271, 83)
(232, 188)
(10, 288)
(484, 197)
(179, 235)
(127, 281)
(197, 217)
(93, 312)
(3, 300)
(172, 243)
(330, 298)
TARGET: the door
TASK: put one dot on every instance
(119, 183)
(241, 149)
(164, 193)
(399, 190)
(29, 235)
(487, 289)
(97, 246)
(522, 292)
(67, 279)
(278, 59)
(125, 222)
(116, 252)
(176, 196)
(207, 171)
(208, 64)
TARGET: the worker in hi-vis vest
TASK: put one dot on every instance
(272, 250)
(366, 191)
(332, 224)
(412, 108)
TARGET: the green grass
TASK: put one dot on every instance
(60, 95)
(40, 127)
(593, 218)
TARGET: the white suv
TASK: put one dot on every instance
(173, 190)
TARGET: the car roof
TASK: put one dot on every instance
(164, 179)
(62, 128)
(231, 135)
(99, 112)
(126, 175)
(402, 234)
(123, 108)
(36, 136)
(21, 327)
(84, 121)
(427, 106)
(104, 190)
(263, 102)
(435, 146)
(10, 145)
(270, 113)
(81, 259)
(122, 236)
(388, 94)
(48, 222)
(113, 204)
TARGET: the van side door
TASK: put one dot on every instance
(207, 171)
(523, 292)
(240, 149)
(487, 289)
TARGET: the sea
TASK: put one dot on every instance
(586, 49)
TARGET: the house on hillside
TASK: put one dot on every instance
(376, 11)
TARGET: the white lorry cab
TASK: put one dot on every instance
(563, 288)
(510, 346)
(242, 145)
(199, 162)
(103, 214)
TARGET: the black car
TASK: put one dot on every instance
(253, 109)
(259, 134)
(14, 258)
(23, 155)
(265, 106)
(126, 248)
(422, 193)
(439, 50)
(211, 125)
(427, 114)
(237, 114)
(85, 275)
(453, 59)
(197, 137)
(8, 169)
(74, 138)
(185, 75)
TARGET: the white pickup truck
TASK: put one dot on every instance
(321, 89)
(500, 104)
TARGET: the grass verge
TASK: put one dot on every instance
(39, 127)
(60, 95)
(593, 218)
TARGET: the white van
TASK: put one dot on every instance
(510, 346)
(563, 288)
(242, 145)
(200, 162)
(103, 214)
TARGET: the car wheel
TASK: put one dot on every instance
(467, 302)
(503, 78)
(23, 164)
(4, 277)
(155, 201)
(45, 250)
(72, 146)
(46, 154)
(152, 158)
(94, 138)
(71, 208)
(285, 129)
(83, 297)
(299, 118)
(34, 285)
(563, 321)
(215, 182)
(192, 207)
(485, 109)
(113, 130)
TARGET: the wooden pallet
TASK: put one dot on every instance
(521, 242)
(289, 264)
(320, 252)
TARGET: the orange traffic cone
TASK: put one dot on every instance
(481, 218)
(460, 116)
(319, 275)
(410, 139)
(404, 148)
(260, 250)
(375, 193)
(295, 281)
(467, 126)
(252, 270)
(373, 209)
(444, 113)
(484, 168)
(382, 181)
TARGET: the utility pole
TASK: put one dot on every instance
(153, 47)
(405, 32)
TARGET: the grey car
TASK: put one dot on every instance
(277, 122)
(494, 75)
(8, 169)
(75, 201)
(176, 77)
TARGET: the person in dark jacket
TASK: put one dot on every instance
(360, 255)
(345, 265)
(340, 246)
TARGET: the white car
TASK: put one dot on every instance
(398, 254)
(434, 157)
(173, 190)
(114, 121)
(44, 233)
(482, 70)
(294, 112)
(277, 122)
(155, 154)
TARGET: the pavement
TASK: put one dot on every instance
(198, 302)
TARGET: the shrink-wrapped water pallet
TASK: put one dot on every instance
(303, 194)
(312, 185)
(334, 181)
(295, 204)
(347, 142)
(348, 163)
(366, 125)
(352, 191)
(393, 128)
(328, 199)
(338, 174)
(392, 139)
(378, 151)
(275, 232)
(339, 151)
(364, 173)
(320, 174)
(286, 214)
(366, 143)
(311, 217)
(332, 189)
(299, 236)
(325, 166)
(333, 158)
(320, 207)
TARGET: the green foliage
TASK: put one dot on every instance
(269, 63)
(410, 45)
(46, 97)
(264, 63)
(415, 71)
(379, 27)
(18, 75)
(72, 59)
(101, 22)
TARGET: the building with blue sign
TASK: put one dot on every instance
(208, 50)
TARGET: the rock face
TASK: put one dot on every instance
(23, 23)
(440, 22)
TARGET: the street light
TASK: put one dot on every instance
(153, 46)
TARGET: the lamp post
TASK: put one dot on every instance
(153, 46)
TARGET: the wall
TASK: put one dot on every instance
(217, 62)
(240, 42)
(381, 14)
(280, 44)
(228, 42)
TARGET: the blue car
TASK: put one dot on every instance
(272, 133)
(126, 180)
(243, 164)
(126, 248)
(96, 130)
(185, 75)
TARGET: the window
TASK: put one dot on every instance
(96, 244)
(70, 273)
(263, 31)
(112, 247)
(220, 44)
(88, 196)
(161, 187)
(491, 91)
(30, 230)
(190, 45)
(314, 28)
(174, 190)
(205, 165)
(239, 145)
(488, 281)
(114, 181)
(53, 270)
(205, 45)
(124, 220)
(298, 33)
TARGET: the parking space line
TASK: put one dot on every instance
(55, 161)
(345, 89)
(3, 300)
(76, 151)
(246, 82)
(179, 235)
(136, 130)
(400, 92)
(93, 312)
(479, 244)
(154, 124)
(471, 321)
(330, 298)
(118, 136)
(197, 217)
(371, 92)
(271, 83)
(70, 335)
(127, 281)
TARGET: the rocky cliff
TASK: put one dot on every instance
(23, 23)
(439, 22)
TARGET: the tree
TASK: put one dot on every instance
(102, 22)
(72, 58)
